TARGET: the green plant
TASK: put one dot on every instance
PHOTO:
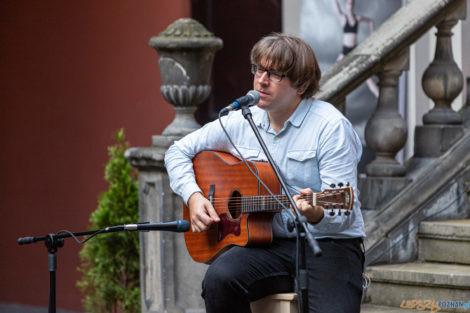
(110, 262)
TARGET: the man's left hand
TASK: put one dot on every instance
(314, 214)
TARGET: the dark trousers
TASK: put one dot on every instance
(245, 274)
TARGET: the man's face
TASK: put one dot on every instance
(275, 96)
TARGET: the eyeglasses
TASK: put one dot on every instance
(272, 75)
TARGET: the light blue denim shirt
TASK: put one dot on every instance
(316, 147)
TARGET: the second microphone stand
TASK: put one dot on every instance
(300, 224)
(55, 241)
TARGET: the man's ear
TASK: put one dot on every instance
(301, 89)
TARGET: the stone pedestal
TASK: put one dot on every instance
(170, 279)
(433, 140)
(376, 192)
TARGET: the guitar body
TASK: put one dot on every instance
(230, 180)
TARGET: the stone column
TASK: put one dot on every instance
(386, 130)
(442, 82)
(385, 134)
(170, 279)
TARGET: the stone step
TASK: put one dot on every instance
(397, 285)
(446, 241)
(287, 303)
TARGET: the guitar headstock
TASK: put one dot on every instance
(336, 200)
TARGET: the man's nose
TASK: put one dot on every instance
(264, 78)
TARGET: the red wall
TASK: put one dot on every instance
(71, 74)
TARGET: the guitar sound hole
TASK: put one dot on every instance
(235, 205)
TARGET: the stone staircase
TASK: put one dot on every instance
(442, 273)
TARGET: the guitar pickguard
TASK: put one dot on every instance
(227, 226)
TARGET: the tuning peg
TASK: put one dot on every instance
(332, 213)
(333, 186)
(347, 184)
(347, 213)
(340, 185)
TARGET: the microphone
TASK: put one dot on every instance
(179, 226)
(250, 99)
(26, 240)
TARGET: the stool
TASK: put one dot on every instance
(276, 303)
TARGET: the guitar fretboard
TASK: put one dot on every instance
(257, 204)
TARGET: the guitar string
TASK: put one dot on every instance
(267, 202)
(257, 206)
(253, 197)
(235, 212)
(266, 199)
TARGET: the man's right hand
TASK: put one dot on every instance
(201, 213)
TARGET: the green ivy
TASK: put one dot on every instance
(110, 262)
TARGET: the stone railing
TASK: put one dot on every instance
(396, 197)
(385, 53)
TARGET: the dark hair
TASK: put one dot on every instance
(292, 56)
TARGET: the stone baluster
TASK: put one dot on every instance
(386, 130)
(170, 279)
(466, 108)
(442, 82)
(385, 134)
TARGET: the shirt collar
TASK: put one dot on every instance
(261, 119)
(300, 113)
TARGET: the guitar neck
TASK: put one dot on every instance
(329, 199)
(258, 204)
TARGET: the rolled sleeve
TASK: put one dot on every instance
(339, 153)
(178, 158)
(181, 173)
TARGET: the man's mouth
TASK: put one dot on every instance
(263, 93)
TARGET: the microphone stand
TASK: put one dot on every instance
(55, 241)
(300, 224)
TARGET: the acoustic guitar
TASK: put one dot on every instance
(244, 206)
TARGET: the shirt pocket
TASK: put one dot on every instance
(302, 169)
(247, 153)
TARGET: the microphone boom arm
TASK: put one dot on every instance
(55, 241)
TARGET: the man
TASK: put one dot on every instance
(314, 146)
